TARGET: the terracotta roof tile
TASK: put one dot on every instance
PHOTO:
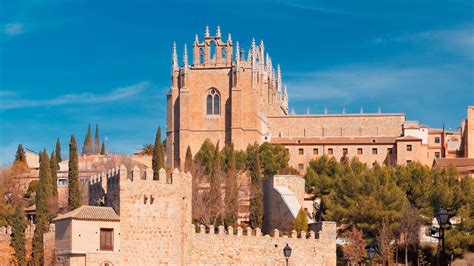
(457, 162)
(90, 213)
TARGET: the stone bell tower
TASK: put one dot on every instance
(222, 96)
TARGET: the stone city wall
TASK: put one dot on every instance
(249, 247)
(48, 241)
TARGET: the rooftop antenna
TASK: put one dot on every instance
(343, 110)
(293, 110)
(307, 111)
(361, 110)
(379, 110)
(325, 110)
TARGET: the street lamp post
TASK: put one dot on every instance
(287, 253)
(442, 217)
(371, 253)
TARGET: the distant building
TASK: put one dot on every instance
(230, 96)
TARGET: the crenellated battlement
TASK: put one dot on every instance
(247, 246)
(249, 232)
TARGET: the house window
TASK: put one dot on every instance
(359, 151)
(300, 151)
(389, 151)
(107, 239)
(330, 151)
(213, 102)
(409, 147)
(408, 161)
(437, 140)
(345, 151)
(374, 151)
(315, 151)
(437, 154)
(300, 167)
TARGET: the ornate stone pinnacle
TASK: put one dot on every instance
(185, 56)
(206, 31)
(174, 57)
(218, 32)
(196, 39)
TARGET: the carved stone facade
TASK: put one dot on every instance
(230, 96)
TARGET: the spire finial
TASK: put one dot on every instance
(237, 52)
(253, 43)
(229, 38)
(185, 56)
(174, 57)
(218, 32)
(196, 39)
(261, 44)
(206, 31)
(278, 78)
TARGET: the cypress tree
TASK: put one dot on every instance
(54, 183)
(188, 161)
(157, 160)
(301, 221)
(256, 190)
(88, 148)
(20, 156)
(231, 190)
(102, 149)
(74, 194)
(43, 200)
(58, 151)
(215, 202)
(18, 241)
(97, 142)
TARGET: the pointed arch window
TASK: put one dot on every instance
(213, 104)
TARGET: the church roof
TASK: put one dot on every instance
(90, 213)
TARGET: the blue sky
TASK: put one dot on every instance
(65, 64)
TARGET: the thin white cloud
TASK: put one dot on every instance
(82, 98)
(13, 29)
(458, 40)
(366, 81)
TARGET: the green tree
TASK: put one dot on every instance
(158, 160)
(301, 221)
(74, 194)
(256, 192)
(88, 148)
(96, 140)
(18, 241)
(43, 214)
(102, 149)
(205, 156)
(58, 151)
(188, 161)
(147, 149)
(215, 187)
(54, 183)
(20, 156)
(273, 157)
(231, 190)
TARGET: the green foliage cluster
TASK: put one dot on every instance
(92, 147)
(301, 221)
(18, 241)
(44, 212)
(20, 156)
(260, 162)
(74, 193)
(158, 157)
(354, 194)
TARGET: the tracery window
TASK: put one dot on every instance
(213, 102)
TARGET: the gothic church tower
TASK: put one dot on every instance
(222, 96)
